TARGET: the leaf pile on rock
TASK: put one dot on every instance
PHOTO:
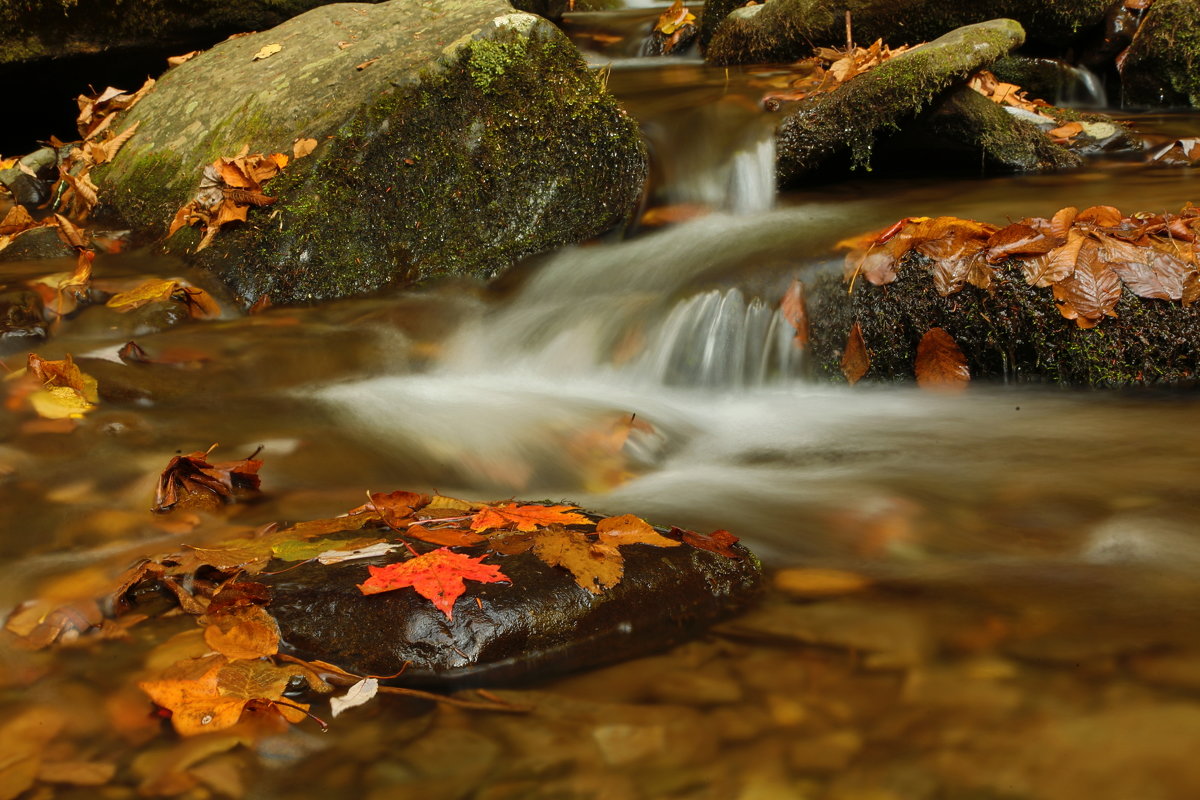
(830, 67)
(229, 187)
(1085, 257)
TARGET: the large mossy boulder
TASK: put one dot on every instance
(540, 622)
(455, 136)
(1162, 67)
(846, 122)
(36, 30)
(784, 30)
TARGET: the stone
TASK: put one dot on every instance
(1162, 67)
(845, 123)
(455, 137)
(540, 624)
(785, 30)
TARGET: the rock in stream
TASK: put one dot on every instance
(454, 137)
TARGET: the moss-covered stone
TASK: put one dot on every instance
(43, 29)
(470, 137)
(982, 133)
(1012, 332)
(784, 30)
(1163, 63)
(846, 122)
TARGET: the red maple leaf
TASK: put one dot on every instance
(437, 575)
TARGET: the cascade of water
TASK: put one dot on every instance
(719, 339)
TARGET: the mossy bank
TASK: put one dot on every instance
(455, 136)
(1163, 63)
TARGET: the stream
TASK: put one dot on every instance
(1025, 627)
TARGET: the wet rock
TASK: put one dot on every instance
(31, 186)
(37, 244)
(845, 123)
(21, 322)
(1161, 66)
(541, 623)
(454, 138)
(785, 30)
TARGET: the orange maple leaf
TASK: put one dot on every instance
(525, 518)
(437, 575)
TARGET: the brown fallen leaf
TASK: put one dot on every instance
(192, 480)
(720, 542)
(794, 311)
(302, 147)
(940, 362)
(855, 361)
(245, 632)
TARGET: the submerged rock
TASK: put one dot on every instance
(784, 30)
(541, 623)
(1162, 67)
(845, 122)
(454, 138)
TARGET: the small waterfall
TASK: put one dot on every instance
(731, 168)
(1081, 87)
(718, 339)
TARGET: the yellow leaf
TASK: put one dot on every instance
(59, 402)
(267, 51)
(151, 291)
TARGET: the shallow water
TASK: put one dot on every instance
(1026, 624)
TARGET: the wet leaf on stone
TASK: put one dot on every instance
(305, 549)
(437, 575)
(595, 566)
(720, 541)
(446, 536)
(629, 529)
(398, 509)
(1018, 239)
(525, 517)
(940, 362)
(855, 361)
(1092, 290)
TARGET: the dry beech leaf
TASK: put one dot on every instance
(303, 147)
(855, 361)
(1090, 293)
(940, 362)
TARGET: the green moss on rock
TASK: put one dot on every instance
(784, 30)
(847, 121)
(486, 140)
(1163, 63)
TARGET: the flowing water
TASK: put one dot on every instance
(1028, 627)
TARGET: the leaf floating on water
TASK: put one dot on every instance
(191, 477)
(372, 551)
(437, 576)
(855, 361)
(940, 362)
(358, 694)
